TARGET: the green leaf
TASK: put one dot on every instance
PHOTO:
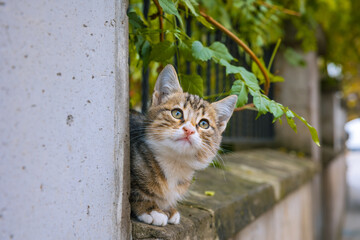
(230, 69)
(276, 109)
(250, 79)
(276, 78)
(220, 51)
(162, 51)
(314, 134)
(261, 103)
(192, 84)
(145, 53)
(257, 72)
(312, 130)
(238, 88)
(139, 42)
(247, 76)
(291, 123)
(204, 22)
(224, 16)
(191, 5)
(169, 7)
(289, 113)
(200, 52)
(294, 58)
(209, 193)
(135, 21)
(185, 50)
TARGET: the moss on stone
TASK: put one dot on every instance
(254, 182)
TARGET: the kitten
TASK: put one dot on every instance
(180, 134)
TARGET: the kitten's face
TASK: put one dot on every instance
(185, 125)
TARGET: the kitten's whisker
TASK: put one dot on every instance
(216, 157)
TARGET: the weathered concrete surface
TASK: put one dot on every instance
(252, 184)
(334, 179)
(121, 211)
(351, 229)
(333, 118)
(196, 223)
(301, 93)
(60, 62)
(290, 219)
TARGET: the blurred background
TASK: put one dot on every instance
(312, 52)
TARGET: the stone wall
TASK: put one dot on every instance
(291, 217)
(301, 93)
(262, 194)
(334, 178)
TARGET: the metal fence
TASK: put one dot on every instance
(242, 128)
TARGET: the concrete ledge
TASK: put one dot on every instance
(253, 183)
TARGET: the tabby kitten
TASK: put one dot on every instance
(181, 133)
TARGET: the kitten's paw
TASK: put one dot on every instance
(159, 219)
(146, 218)
(175, 219)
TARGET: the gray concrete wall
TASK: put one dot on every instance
(63, 119)
(334, 178)
(301, 93)
(333, 118)
(289, 219)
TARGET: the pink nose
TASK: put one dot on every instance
(188, 131)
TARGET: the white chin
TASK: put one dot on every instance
(183, 147)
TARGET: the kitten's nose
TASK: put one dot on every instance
(188, 130)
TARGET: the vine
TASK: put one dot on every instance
(174, 40)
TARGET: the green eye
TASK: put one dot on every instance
(177, 113)
(204, 124)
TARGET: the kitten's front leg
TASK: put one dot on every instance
(148, 212)
(174, 216)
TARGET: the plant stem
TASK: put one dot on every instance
(161, 20)
(273, 54)
(243, 45)
(279, 8)
(247, 106)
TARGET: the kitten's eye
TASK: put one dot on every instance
(177, 113)
(204, 124)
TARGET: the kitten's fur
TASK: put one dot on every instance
(166, 151)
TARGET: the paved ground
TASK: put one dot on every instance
(352, 222)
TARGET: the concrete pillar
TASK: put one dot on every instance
(333, 118)
(64, 120)
(301, 93)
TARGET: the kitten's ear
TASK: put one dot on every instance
(224, 109)
(166, 84)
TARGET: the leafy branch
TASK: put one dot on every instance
(177, 43)
(247, 49)
(279, 8)
(242, 44)
(161, 21)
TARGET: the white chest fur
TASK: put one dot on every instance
(176, 171)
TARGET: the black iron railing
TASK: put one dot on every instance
(242, 128)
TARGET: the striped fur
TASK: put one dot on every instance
(163, 157)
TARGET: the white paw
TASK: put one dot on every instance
(146, 218)
(175, 219)
(159, 219)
